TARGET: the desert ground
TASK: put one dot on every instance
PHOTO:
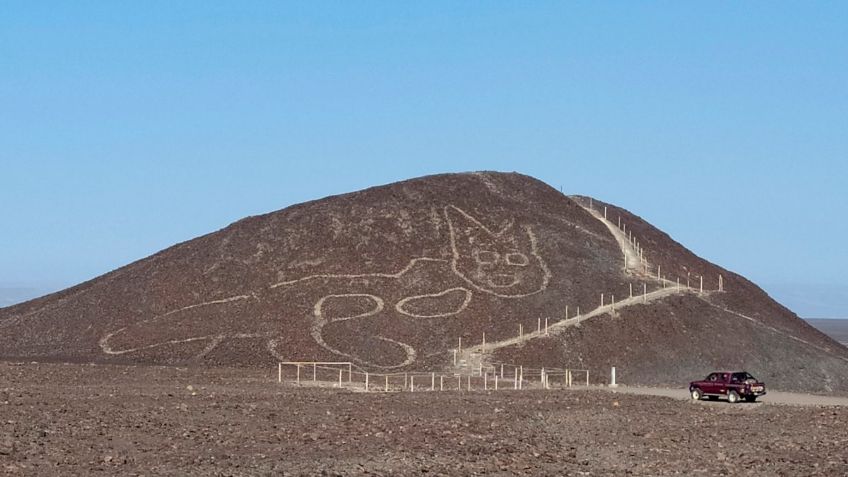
(77, 419)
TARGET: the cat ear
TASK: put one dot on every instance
(463, 226)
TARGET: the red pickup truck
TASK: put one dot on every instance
(734, 385)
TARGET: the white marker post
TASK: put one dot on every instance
(387, 383)
(702, 284)
(631, 290)
(412, 383)
(538, 325)
(366, 381)
(279, 372)
(546, 326)
(644, 293)
(602, 299)
(612, 378)
(432, 381)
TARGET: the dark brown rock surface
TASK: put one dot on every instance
(391, 277)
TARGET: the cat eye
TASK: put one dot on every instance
(516, 258)
(486, 256)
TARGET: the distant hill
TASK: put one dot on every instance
(391, 277)
(835, 328)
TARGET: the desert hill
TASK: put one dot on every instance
(391, 277)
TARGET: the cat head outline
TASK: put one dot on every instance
(505, 263)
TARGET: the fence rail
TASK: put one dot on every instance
(491, 377)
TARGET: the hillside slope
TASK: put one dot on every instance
(391, 277)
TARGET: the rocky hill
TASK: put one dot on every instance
(393, 276)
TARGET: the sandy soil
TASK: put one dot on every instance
(89, 420)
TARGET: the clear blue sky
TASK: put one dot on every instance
(126, 127)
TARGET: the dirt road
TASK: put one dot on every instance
(773, 397)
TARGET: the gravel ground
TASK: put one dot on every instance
(83, 420)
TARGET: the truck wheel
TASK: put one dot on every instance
(696, 394)
(732, 397)
(750, 398)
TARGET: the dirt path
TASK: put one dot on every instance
(473, 357)
(773, 397)
(632, 261)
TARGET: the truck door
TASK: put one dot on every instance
(711, 383)
(721, 383)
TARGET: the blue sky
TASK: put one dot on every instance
(126, 127)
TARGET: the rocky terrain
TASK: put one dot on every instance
(59, 419)
(392, 277)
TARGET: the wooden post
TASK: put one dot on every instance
(432, 381)
(546, 326)
(587, 378)
(314, 372)
(459, 382)
(279, 372)
(341, 373)
(542, 378)
(501, 370)
(469, 382)
(578, 311)
(496, 382)
(298, 375)
(605, 212)
(485, 381)
(612, 302)
(387, 383)
(602, 299)
(441, 383)
(612, 378)
(350, 372)
(366, 381)
(454, 357)
(687, 280)
(619, 221)
(520, 330)
(405, 380)
(412, 383)
(515, 378)
(720, 283)
(538, 325)
(566, 312)
(644, 293)
(659, 275)
(631, 290)
(459, 347)
(702, 284)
